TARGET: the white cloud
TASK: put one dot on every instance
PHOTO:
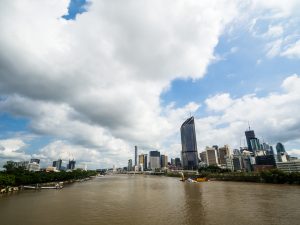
(274, 48)
(95, 83)
(292, 51)
(12, 149)
(294, 152)
(218, 102)
(275, 117)
(274, 31)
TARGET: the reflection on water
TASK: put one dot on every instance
(138, 199)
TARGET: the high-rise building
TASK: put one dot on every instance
(129, 167)
(203, 157)
(33, 166)
(223, 153)
(143, 160)
(163, 161)
(35, 160)
(249, 135)
(172, 162)
(255, 145)
(265, 160)
(135, 155)
(177, 162)
(71, 165)
(57, 164)
(280, 148)
(154, 161)
(282, 155)
(211, 156)
(291, 166)
(189, 152)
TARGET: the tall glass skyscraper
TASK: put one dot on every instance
(249, 136)
(189, 152)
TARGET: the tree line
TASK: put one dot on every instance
(274, 176)
(20, 176)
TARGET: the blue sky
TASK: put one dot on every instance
(99, 78)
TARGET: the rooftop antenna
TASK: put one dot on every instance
(249, 125)
(190, 114)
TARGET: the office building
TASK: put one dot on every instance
(211, 156)
(249, 135)
(154, 160)
(164, 161)
(71, 165)
(265, 160)
(172, 162)
(135, 155)
(223, 153)
(33, 166)
(280, 148)
(143, 160)
(57, 164)
(189, 152)
(255, 144)
(35, 160)
(282, 155)
(289, 167)
(129, 167)
(177, 162)
(203, 157)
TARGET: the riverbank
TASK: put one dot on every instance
(15, 181)
(271, 176)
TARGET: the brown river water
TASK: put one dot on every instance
(143, 200)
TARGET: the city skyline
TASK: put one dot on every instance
(90, 80)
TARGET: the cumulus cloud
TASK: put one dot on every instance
(275, 117)
(94, 83)
(97, 80)
(12, 149)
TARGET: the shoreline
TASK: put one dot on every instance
(41, 186)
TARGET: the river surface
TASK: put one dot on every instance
(142, 200)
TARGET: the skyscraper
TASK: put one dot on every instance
(71, 165)
(249, 135)
(129, 167)
(189, 152)
(280, 148)
(223, 153)
(211, 156)
(57, 164)
(135, 155)
(35, 160)
(163, 161)
(154, 160)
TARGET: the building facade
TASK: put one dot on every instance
(189, 153)
(57, 164)
(289, 167)
(135, 155)
(129, 166)
(249, 135)
(164, 161)
(211, 156)
(154, 160)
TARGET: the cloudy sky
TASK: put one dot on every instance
(91, 79)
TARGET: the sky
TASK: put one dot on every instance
(89, 80)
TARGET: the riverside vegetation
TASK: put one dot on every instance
(19, 176)
(274, 176)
